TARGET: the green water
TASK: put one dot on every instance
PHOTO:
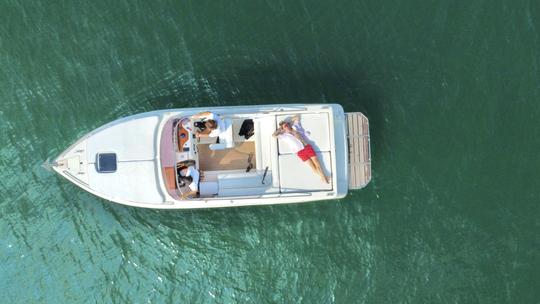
(452, 91)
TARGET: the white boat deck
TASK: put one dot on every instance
(145, 148)
(296, 176)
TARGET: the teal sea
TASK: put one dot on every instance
(452, 91)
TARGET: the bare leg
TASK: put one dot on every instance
(319, 169)
(316, 170)
(312, 166)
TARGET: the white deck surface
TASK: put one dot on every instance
(134, 142)
(296, 176)
(130, 140)
(138, 180)
(133, 181)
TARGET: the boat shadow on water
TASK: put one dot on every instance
(255, 84)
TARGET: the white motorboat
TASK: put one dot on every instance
(133, 160)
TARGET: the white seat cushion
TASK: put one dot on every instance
(317, 124)
(243, 183)
(242, 180)
(226, 138)
(296, 176)
(208, 188)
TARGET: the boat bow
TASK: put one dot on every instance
(131, 144)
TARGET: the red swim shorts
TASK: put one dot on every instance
(306, 153)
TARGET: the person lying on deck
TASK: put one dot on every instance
(188, 179)
(211, 124)
(289, 133)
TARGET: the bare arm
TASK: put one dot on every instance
(299, 136)
(204, 133)
(277, 133)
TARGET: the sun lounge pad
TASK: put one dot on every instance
(319, 131)
(295, 176)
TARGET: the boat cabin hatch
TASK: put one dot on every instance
(106, 162)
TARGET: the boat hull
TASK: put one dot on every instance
(138, 180)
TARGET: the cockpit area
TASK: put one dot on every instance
(237, 163)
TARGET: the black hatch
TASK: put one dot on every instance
(106, 162)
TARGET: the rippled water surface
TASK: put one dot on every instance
(452, 91)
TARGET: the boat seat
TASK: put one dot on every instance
(295, 176)
(243, 183)
(243, 179)
(208, 188)
(226, 139)
(318, 126)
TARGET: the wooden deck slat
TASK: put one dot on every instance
(227, 159)
(359, 150)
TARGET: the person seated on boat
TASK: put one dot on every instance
(188, 180)
(290, 132)
(210, 125)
